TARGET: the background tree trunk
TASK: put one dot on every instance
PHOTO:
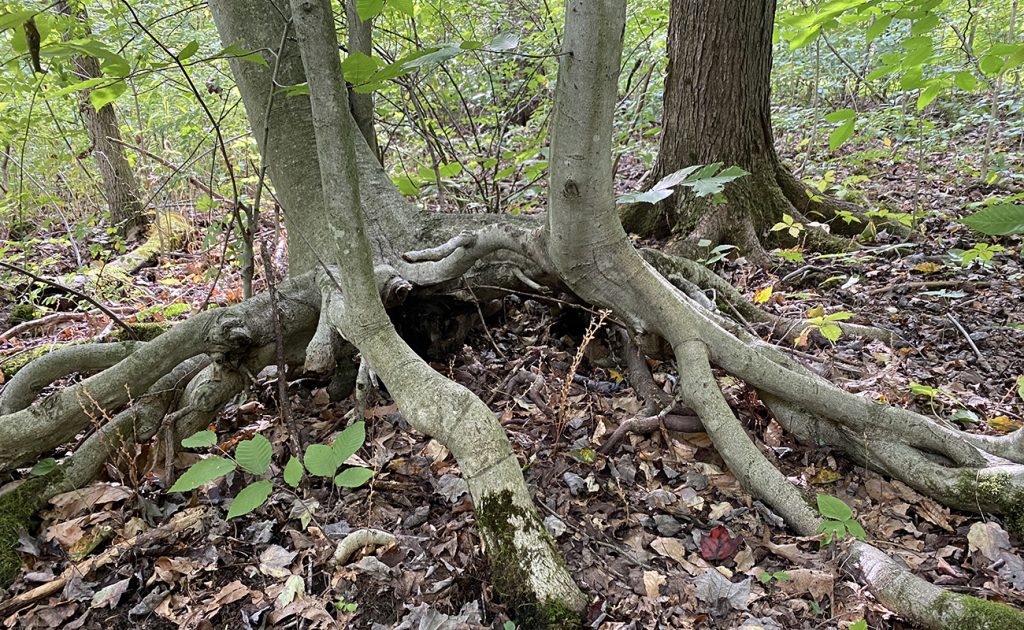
(120, 187)
(717, 108)
(360, 39)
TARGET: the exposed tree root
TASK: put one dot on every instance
(582, 247)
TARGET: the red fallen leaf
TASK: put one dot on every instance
(719, 544)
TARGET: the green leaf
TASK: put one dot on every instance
(406, 185)
(804, 37)
(927, 96)
(833, 508)
(236, 51)
(251, 497)
(101, 97)
(43, 467)
(202, 472)
(369, 9)
(832, 529)
(14, 19)
(358, 67)
(965, 81)
(991, 64)
(405, 6)
(859, 625)
(840, 115)
(855, 529)
(353, 477)
(841, 134)
(436, 55)
(832, 332)
(293, 472)
(704, 184)
(878, 27)
(190, 49)
(254, 455)
(502, 42)
(1000, 220)
(650, 196)
(203, 439)
(349, 441)
(320, 460)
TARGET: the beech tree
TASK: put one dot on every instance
(717, 108)
(356, 246)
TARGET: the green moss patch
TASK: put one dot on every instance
(510, 570)
(18, 508)
(994, 492)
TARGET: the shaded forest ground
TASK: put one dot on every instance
(639, 526)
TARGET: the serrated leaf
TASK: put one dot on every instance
(103, 96)
(254, 455)
(369, 9)
(202, 472)
(358, 67)
(202, 439)
(1000, 220)
(353, 477)
(320, 460)
(293, 472)
(349, 441)
(833, 508)
(251, 497)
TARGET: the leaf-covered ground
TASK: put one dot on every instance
(656, 531)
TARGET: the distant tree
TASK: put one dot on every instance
(120, 186)
(717, 108)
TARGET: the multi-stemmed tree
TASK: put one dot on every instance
(356, 246)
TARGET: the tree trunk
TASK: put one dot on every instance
(360, 39)
(120, 187)
(717, 108)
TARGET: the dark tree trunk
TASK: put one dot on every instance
(717, 108)
(120, 187)
(360, 39)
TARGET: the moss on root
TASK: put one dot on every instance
(994, 492)
(497, 517)
(980, 614)
(141, 331)
(18, 508)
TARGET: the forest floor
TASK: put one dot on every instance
(656, 532)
